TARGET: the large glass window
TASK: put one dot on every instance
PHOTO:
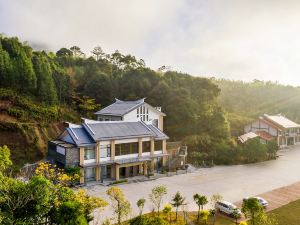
(105, 151)
(126, 148)
(158, 145)
(89, 153)
(90, 173)
(146, 146)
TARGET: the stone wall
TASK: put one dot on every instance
(72, 156)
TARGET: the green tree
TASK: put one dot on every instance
(252, 209)
(5, 161)
(64, 52)
(254, 150)
(45, 84)
(70, 213)
(5, 68)
(120, 205)
(98, 53)
(200, 200)
(76, 51)
(272, 149)
(141, 204)
(177, 201)
(236, 215)
(156, 196)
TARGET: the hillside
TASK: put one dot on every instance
(245, 101)
(26, 127)
(40, 90)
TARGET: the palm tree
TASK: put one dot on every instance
(200, 200)
(177, 201)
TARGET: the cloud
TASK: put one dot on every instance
(233, 39)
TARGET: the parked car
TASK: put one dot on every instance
(227, 208)
(261, 201)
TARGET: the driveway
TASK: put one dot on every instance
(232, 182)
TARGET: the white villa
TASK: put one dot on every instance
(126, 140)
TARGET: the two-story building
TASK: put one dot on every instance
(126, 140)
(280, 128)
(110, 149)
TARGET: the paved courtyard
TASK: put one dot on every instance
(232, 182)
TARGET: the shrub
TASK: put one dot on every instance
(146, 220)
(119, 181)
(204, 215)
(243, 223)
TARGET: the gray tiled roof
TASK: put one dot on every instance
(117, 130)
(120, 108)
(88, 133)
(80, 136)
(159, 135)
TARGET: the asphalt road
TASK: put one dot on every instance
(232, 182)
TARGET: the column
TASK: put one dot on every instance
(127, 171)
(81, 156)
(164, 150)
(151, 146)
(140, 168)
(161, 122)
(145, 168)
(98, 172)
(117, 172)
(81, 181)
(112, 149)
(140, 147)
(98, 152)
(113, 172)
(152, 166)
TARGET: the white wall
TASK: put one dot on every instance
(260, 126)
(152, 115)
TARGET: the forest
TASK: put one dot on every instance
(39, 89)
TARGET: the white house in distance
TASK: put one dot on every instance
(283, 130)
(132, 111)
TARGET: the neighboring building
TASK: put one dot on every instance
(263, 136)
(245, 137)
(278, 127)
(132, 111)
(125, 142)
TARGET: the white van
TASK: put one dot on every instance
(227, 208)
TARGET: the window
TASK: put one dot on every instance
(105, 151)
(126, 148)
(143, 113)
(146, 146)
(90, 173)
(89, 153)
(158, 145)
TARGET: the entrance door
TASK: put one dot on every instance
(105, 172)
(122, 172)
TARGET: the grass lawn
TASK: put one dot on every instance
(288, 214)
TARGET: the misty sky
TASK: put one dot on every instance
(235, 39)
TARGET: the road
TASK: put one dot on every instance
(232, 182)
